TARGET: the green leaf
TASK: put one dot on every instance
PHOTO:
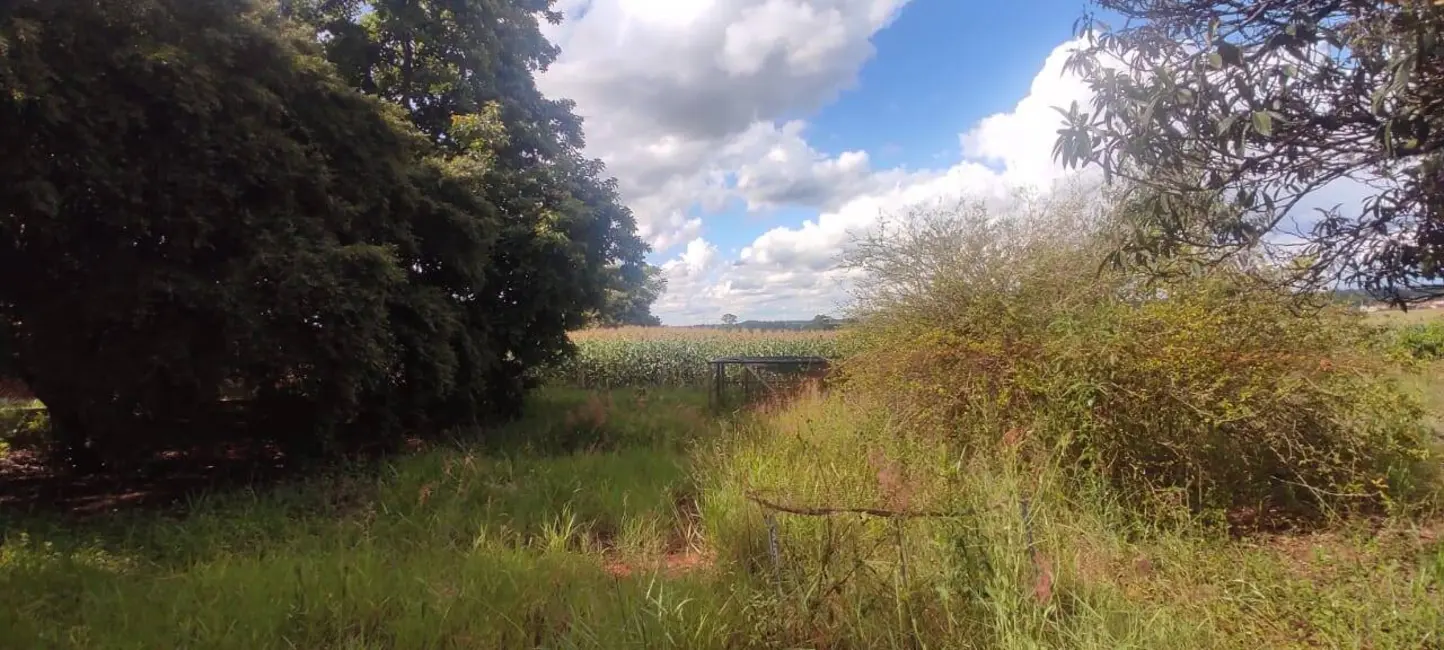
(1263, 123)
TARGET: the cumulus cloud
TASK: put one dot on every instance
(685, 100)
(794, 272)
(680, 98)
(709, 68)
(1021, 141)
(1001, 155)
(701, 286)
(776, 167)
(695, 262)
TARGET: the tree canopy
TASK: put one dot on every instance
(456, 64)
(629, 298)
(198, 203)
(1226, 118)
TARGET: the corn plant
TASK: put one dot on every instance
(675, 356)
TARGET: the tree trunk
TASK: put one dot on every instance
(71, 446)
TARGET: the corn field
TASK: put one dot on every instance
(663, 356)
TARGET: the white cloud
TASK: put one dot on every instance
(776, 167)
(792, 272)
(676, 229)
(1021, 141)
(771, 32)
(685, 100)
(667, 13)
(678, 95)
(699, 258)
(701, 287)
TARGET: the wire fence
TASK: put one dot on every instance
(827, 580)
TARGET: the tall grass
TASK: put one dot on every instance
(1423, 341)
(626, 522)
(500, 545)
(1032, 560)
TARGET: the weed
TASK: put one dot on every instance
(1202, 390)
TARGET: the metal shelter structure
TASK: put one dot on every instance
(761, 377)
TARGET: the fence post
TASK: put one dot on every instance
(773, 551)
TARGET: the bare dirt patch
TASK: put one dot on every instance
(671, 565)
(167, 480)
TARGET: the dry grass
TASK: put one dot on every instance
(1411, 317)
(1076, 572)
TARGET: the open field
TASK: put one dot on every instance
(677, 356)
(1411, 317)
(457, 546)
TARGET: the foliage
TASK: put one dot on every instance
(462, 69)
(823, 322)
(237, 219)
(247, 225)
(729, 319)
(1226, 118)
(670, 356)
(1033, 559)
(1423, 341)
(1203, 387)
(24, 426)
(629, 301)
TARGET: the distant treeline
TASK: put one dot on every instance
(1362, 297)
(816, 323)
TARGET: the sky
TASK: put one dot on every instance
(753, 138)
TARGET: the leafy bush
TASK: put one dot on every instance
(24, 426)
(1206, 388)
(1424, 341)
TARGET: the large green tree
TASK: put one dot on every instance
(1224, 118)
(193, 202)
(566, 242)
(630, 298)
(199, 203)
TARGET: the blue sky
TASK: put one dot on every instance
(752, 138)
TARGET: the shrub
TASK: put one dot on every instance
(1207, 387)
(1424, 341)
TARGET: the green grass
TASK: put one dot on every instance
(622, 520)
(1113, 581)
(1411, 317)
(459, 546)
